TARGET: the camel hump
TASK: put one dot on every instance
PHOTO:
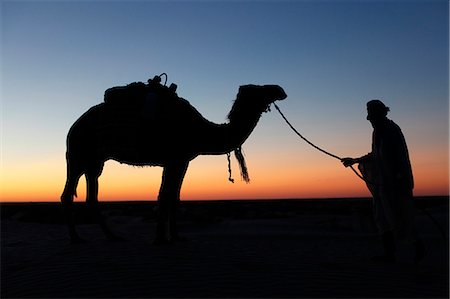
(144, 102)
(136, 93)
(125, 94)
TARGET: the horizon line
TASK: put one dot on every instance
(228, 200)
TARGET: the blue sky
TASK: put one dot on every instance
(58, 57)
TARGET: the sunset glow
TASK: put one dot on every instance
(207, 179)
(329, 57)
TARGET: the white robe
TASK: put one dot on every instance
(388, 174)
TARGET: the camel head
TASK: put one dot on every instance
(255, 99)
(263, 94)
(251, 102)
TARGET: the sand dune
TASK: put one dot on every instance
(300, 253)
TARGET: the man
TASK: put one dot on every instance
(388, 174)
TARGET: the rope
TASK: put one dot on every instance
(316, 147)
(229, 168)
(301, 136)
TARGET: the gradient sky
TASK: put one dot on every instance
(331, 57)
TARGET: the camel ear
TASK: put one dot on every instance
(241, 89)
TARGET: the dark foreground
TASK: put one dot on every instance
(289, 248)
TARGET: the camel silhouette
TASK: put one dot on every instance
(158, 129)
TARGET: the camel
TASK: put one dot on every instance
(162, 130)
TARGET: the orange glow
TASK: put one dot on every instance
(306, 175)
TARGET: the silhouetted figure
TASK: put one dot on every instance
(154, 127)
(389, 177)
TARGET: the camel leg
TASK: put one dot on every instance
(168, 199)
(73, 176)
(92, 176)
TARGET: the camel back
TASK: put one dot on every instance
(125, 95)
(139, 103)
(134, 94)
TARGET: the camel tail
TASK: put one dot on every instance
(243, 166)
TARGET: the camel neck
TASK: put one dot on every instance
(224, 138)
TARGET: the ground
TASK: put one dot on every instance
(245, 249)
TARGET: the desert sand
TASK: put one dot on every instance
(245, 249)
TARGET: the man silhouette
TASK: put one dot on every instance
(388, 174)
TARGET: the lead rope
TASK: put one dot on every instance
(318, 148)
(435, 222)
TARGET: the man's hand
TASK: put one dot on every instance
(348, 161)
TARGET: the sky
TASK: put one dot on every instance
(331, 57)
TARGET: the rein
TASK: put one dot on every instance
(318, 148)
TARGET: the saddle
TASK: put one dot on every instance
(135, 93)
